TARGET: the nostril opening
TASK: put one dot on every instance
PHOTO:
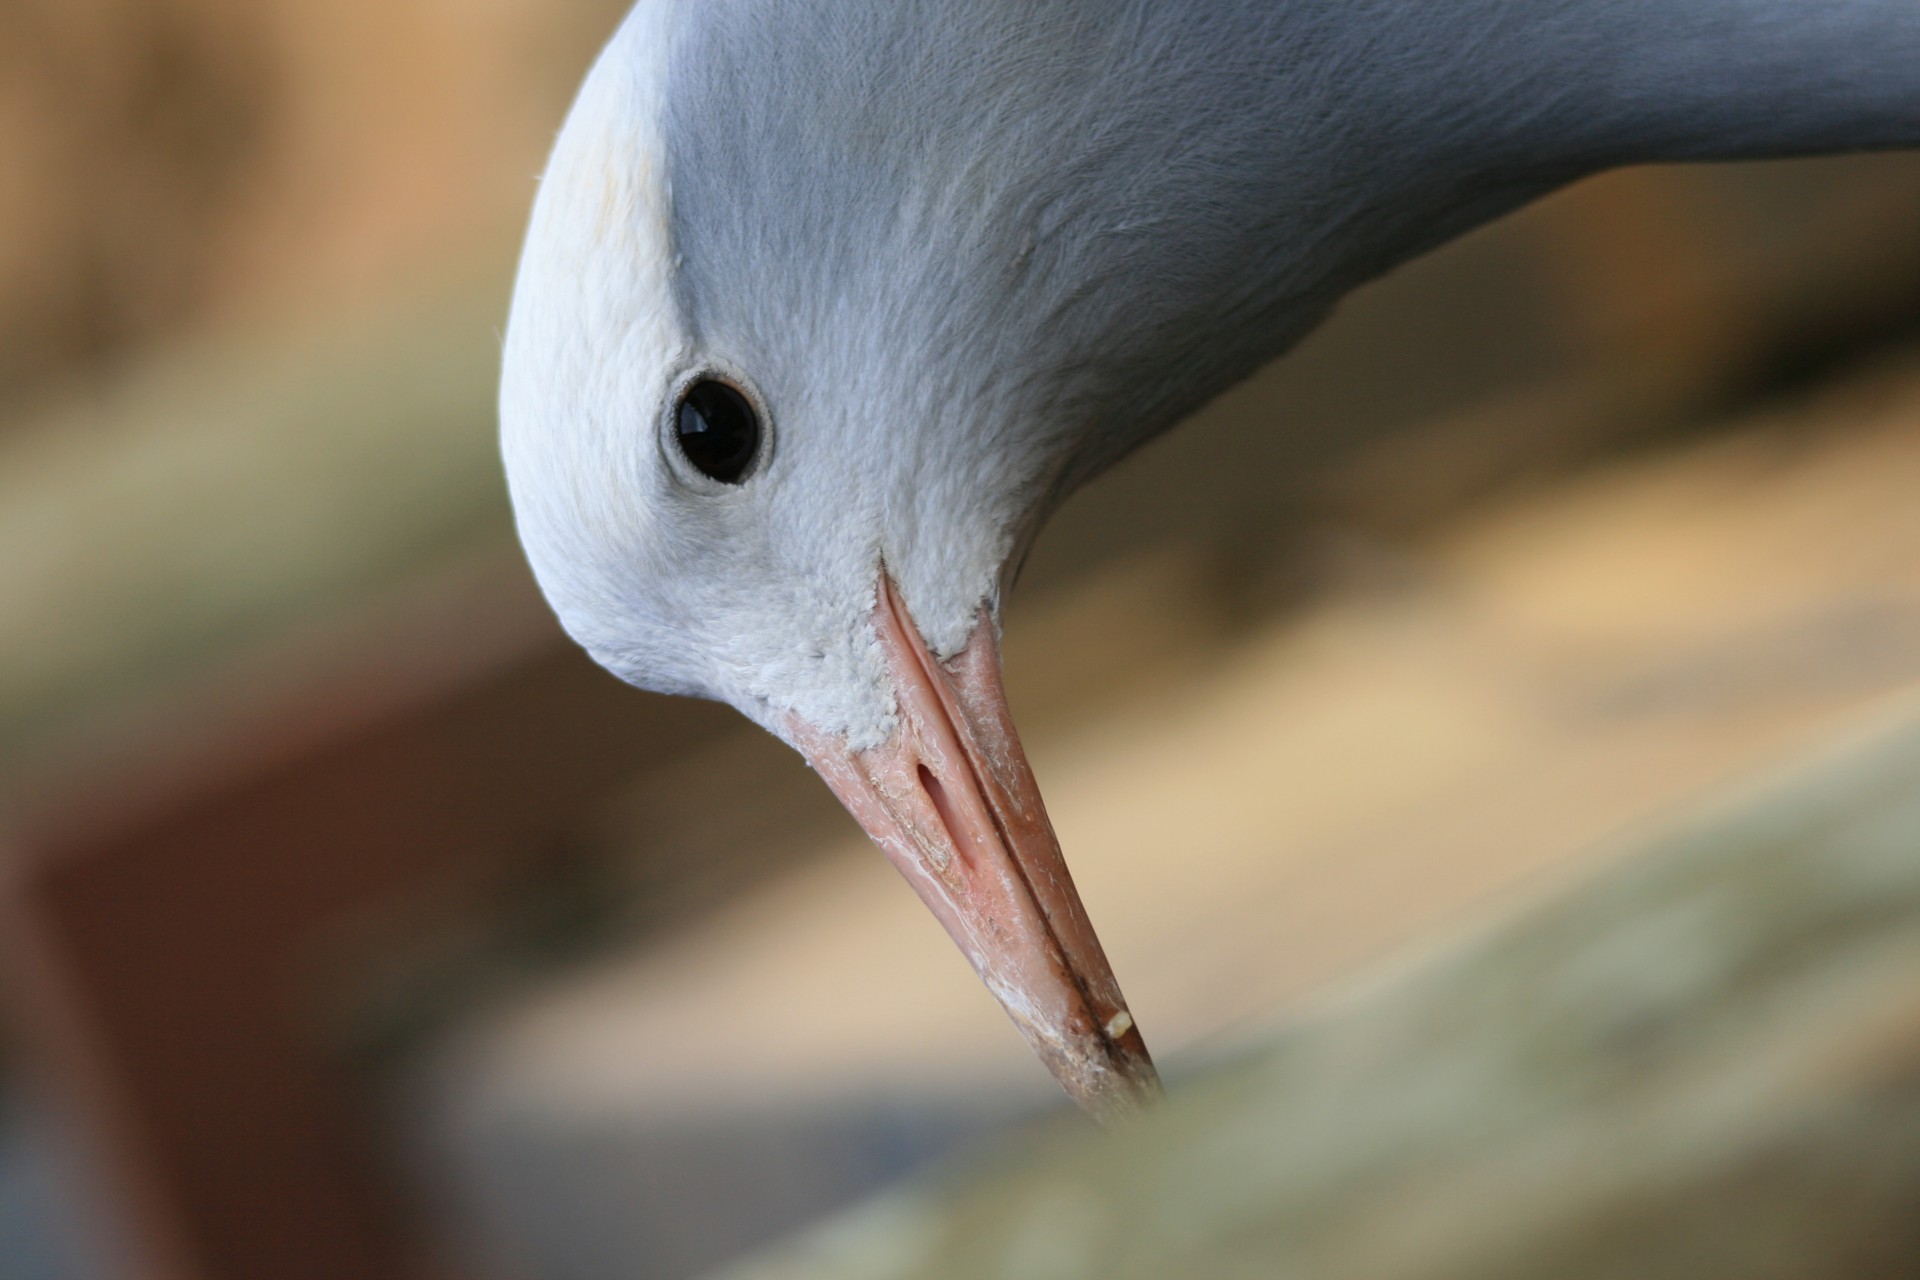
(942, 805)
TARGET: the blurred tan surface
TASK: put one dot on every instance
(1701, 1063)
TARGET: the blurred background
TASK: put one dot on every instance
(354, 925)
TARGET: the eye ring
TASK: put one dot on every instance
(717, 428)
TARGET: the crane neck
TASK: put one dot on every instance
(1375, 130)
(1634, 81)
(1058, 226)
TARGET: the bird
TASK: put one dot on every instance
(824, 306)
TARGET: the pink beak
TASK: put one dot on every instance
(951, 800)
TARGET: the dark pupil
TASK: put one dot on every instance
(718, 430)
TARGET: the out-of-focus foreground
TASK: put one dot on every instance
(356, 926)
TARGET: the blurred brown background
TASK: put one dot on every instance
(355, 926)
(206, 163)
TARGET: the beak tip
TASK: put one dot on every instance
(1114, 1098)
(1112, 1079)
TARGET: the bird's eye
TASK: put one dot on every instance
(717, 429)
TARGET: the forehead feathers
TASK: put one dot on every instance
(594, 337)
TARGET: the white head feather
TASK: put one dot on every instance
(961, 255)
(756, 593)
(909, 421)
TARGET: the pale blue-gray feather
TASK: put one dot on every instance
(1057, 225)
(967, 252)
